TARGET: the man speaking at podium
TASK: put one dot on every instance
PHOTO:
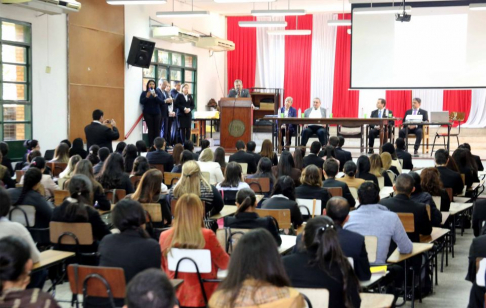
(238, 91)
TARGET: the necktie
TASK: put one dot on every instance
(379, 114)
(414, 112)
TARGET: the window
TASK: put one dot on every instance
(173, 67)
(15, 80)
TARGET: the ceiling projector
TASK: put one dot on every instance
(404, 17)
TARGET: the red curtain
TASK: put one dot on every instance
(458, 101)
(345, 102)
(298, 55)
(399, 102)
(241, 61)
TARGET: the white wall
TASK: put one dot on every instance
(49, 91)
(208, 84)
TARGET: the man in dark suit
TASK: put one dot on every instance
(103, 154)
(401, 203)
(330, 171)
(312, 158)
(449, 178)
(159, 156)
(174, 129)
(250, 149)
(402, 154)
(340, 149)
(242, 157)
(476, 158)
(288, 129)
(99, 133)
(477, 250)
(168, 113)
(380, 112)
(238, 91)
(415, 129)
(189, 145)
(340, 155)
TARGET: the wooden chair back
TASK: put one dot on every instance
(196, 131)
(312, 206)
(171, 178)
(114, 276)
(229, 237)
(381, 181)
(59, 196)
(335, 191)
(425, 138)
(57, 168)
(81, 230)
(154, 210)
(282, 216)
(408, 221)
(259, 185)
(18, 175)
(115, 195)
(23, 214)
(244, 168)
(135, 181)
(319, 298)
(159, 167)
(371, 243)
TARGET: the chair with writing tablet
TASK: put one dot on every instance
(354, 192)
(25, 215)
(319, 298)
(310, 207)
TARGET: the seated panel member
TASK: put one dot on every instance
(315, 112)
(380, 112)
(288, 129)
(415, 129)
(238, 90)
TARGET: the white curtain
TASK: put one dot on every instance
(323, 52)
(367, 101)
(477, 116)
(432, 100)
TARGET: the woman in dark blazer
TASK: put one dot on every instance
(151, 100)
(364, 167)
(184, 104)
(311, 187)
(286, 167)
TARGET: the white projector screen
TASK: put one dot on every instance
(441, 47)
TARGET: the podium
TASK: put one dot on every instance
(236, 121)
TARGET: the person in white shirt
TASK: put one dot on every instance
(315, 112)
(206, 164)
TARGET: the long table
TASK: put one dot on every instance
(381, 122)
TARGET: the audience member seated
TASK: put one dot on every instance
(188, 232)
(78, 208)
(316, 111)
(129, 155)
(415, 129)
(267, 151)
(286, 167)
(192, 182)
(264, 170)
(6, 176)
(66, 173)
(363, 167)
(298, 158)
(132, 249)
(477, 250)
(449, 178)
(184, 157)
(140, 166)
(330, 171)
(61, 155)
(389, 148)
(403, 154)
(349, 175)
(112, 175)
(78, 148)
(322, 264)
(160, 156)
(15, 270)
(120, 147)
(30, 157)
(103, 154)
(467, 166)
(141, 148)
(339, 154)
(207, 164)
(476, 158)
(250, 149)
(176, 154)
(420, 196)
(67, 142)
(252, 284)
(30, 145)
(232, 182)
(283, 197)
(402, 203)
(242, 157)
(386, 160)
(204, 145)
(148, 191)
(49, 185)
(150, 288)
(189, 146)
(311, 187)
(431, 183)
(376, 169)
(328, 153)
(312, 158)
(93, 154)
(5, 161)
(219, 157)
(246, 218)
(347, 154)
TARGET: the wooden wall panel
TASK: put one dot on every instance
(97, 14)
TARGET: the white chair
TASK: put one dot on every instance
(244, 167)
(437, 201)
(381, 181)
(309, 204)
(23, 214)
(480, 271)
(354, 192)
(319, 298)
(392, 176)
(371, 243)
(401, 162)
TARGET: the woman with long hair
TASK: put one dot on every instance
(188, 232)
(49, 185)
(466, 165)
(376, 169)
(298, 159)
(151, 101)
(73, 160)
(140, 166)
(267, 151)
(219, 157)
(420, 196)
(93, 154)
(232, 182)
(386, 160)
(30, 158)
(311, 187)
(350, 175)
(30, 145)
(129, 156)
(252, 283)
(207, 164)
(323, 265)
(185, 156)
(112, 175)
(192, 182)
(176, 153)
(120, 147)
(78, 148)
(430, 182)
(148, 191)
(264, 170)
(61, 154)
(363, 169)
(286, 167)
(283, 197)
(389, 148)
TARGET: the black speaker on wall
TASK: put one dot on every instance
(141, 52)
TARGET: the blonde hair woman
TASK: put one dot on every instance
(206, 164)
(377, 169)
(192, 182)
(386, 159)
(188, 232)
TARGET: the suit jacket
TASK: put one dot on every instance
(256, 156)
(340, 156)
(174, 93)
(344, 188)
(402, 204)
(244, 93)
(313, 159)
(347, 156)
(243, 157)
(164, 107)
(252, 221)
(308, 111)
(305, 191)
(407, 159)
(385, 113)
(424, 113)
(451, 179)
(477, 159)
(100, 135)
(152, 105)
(185, 119)
(292, 114)
(161, 157)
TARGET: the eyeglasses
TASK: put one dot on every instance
(316, 102)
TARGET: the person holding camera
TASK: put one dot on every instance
(152, 104)
(101, 132)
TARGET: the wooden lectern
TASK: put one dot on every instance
(236, 121)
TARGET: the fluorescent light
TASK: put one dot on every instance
(477, 6)
(382, 10)
(133, 2)
(341, 22)
(242, 1)
(262, 24)
(182, 13)
(289, 32)
(277, 12)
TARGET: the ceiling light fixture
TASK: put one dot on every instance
(242, 1)
(135, 2)
(382, 10)
(173, 13)
(477, 6)
(340, 22)
(277, 12)
(262, 24)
